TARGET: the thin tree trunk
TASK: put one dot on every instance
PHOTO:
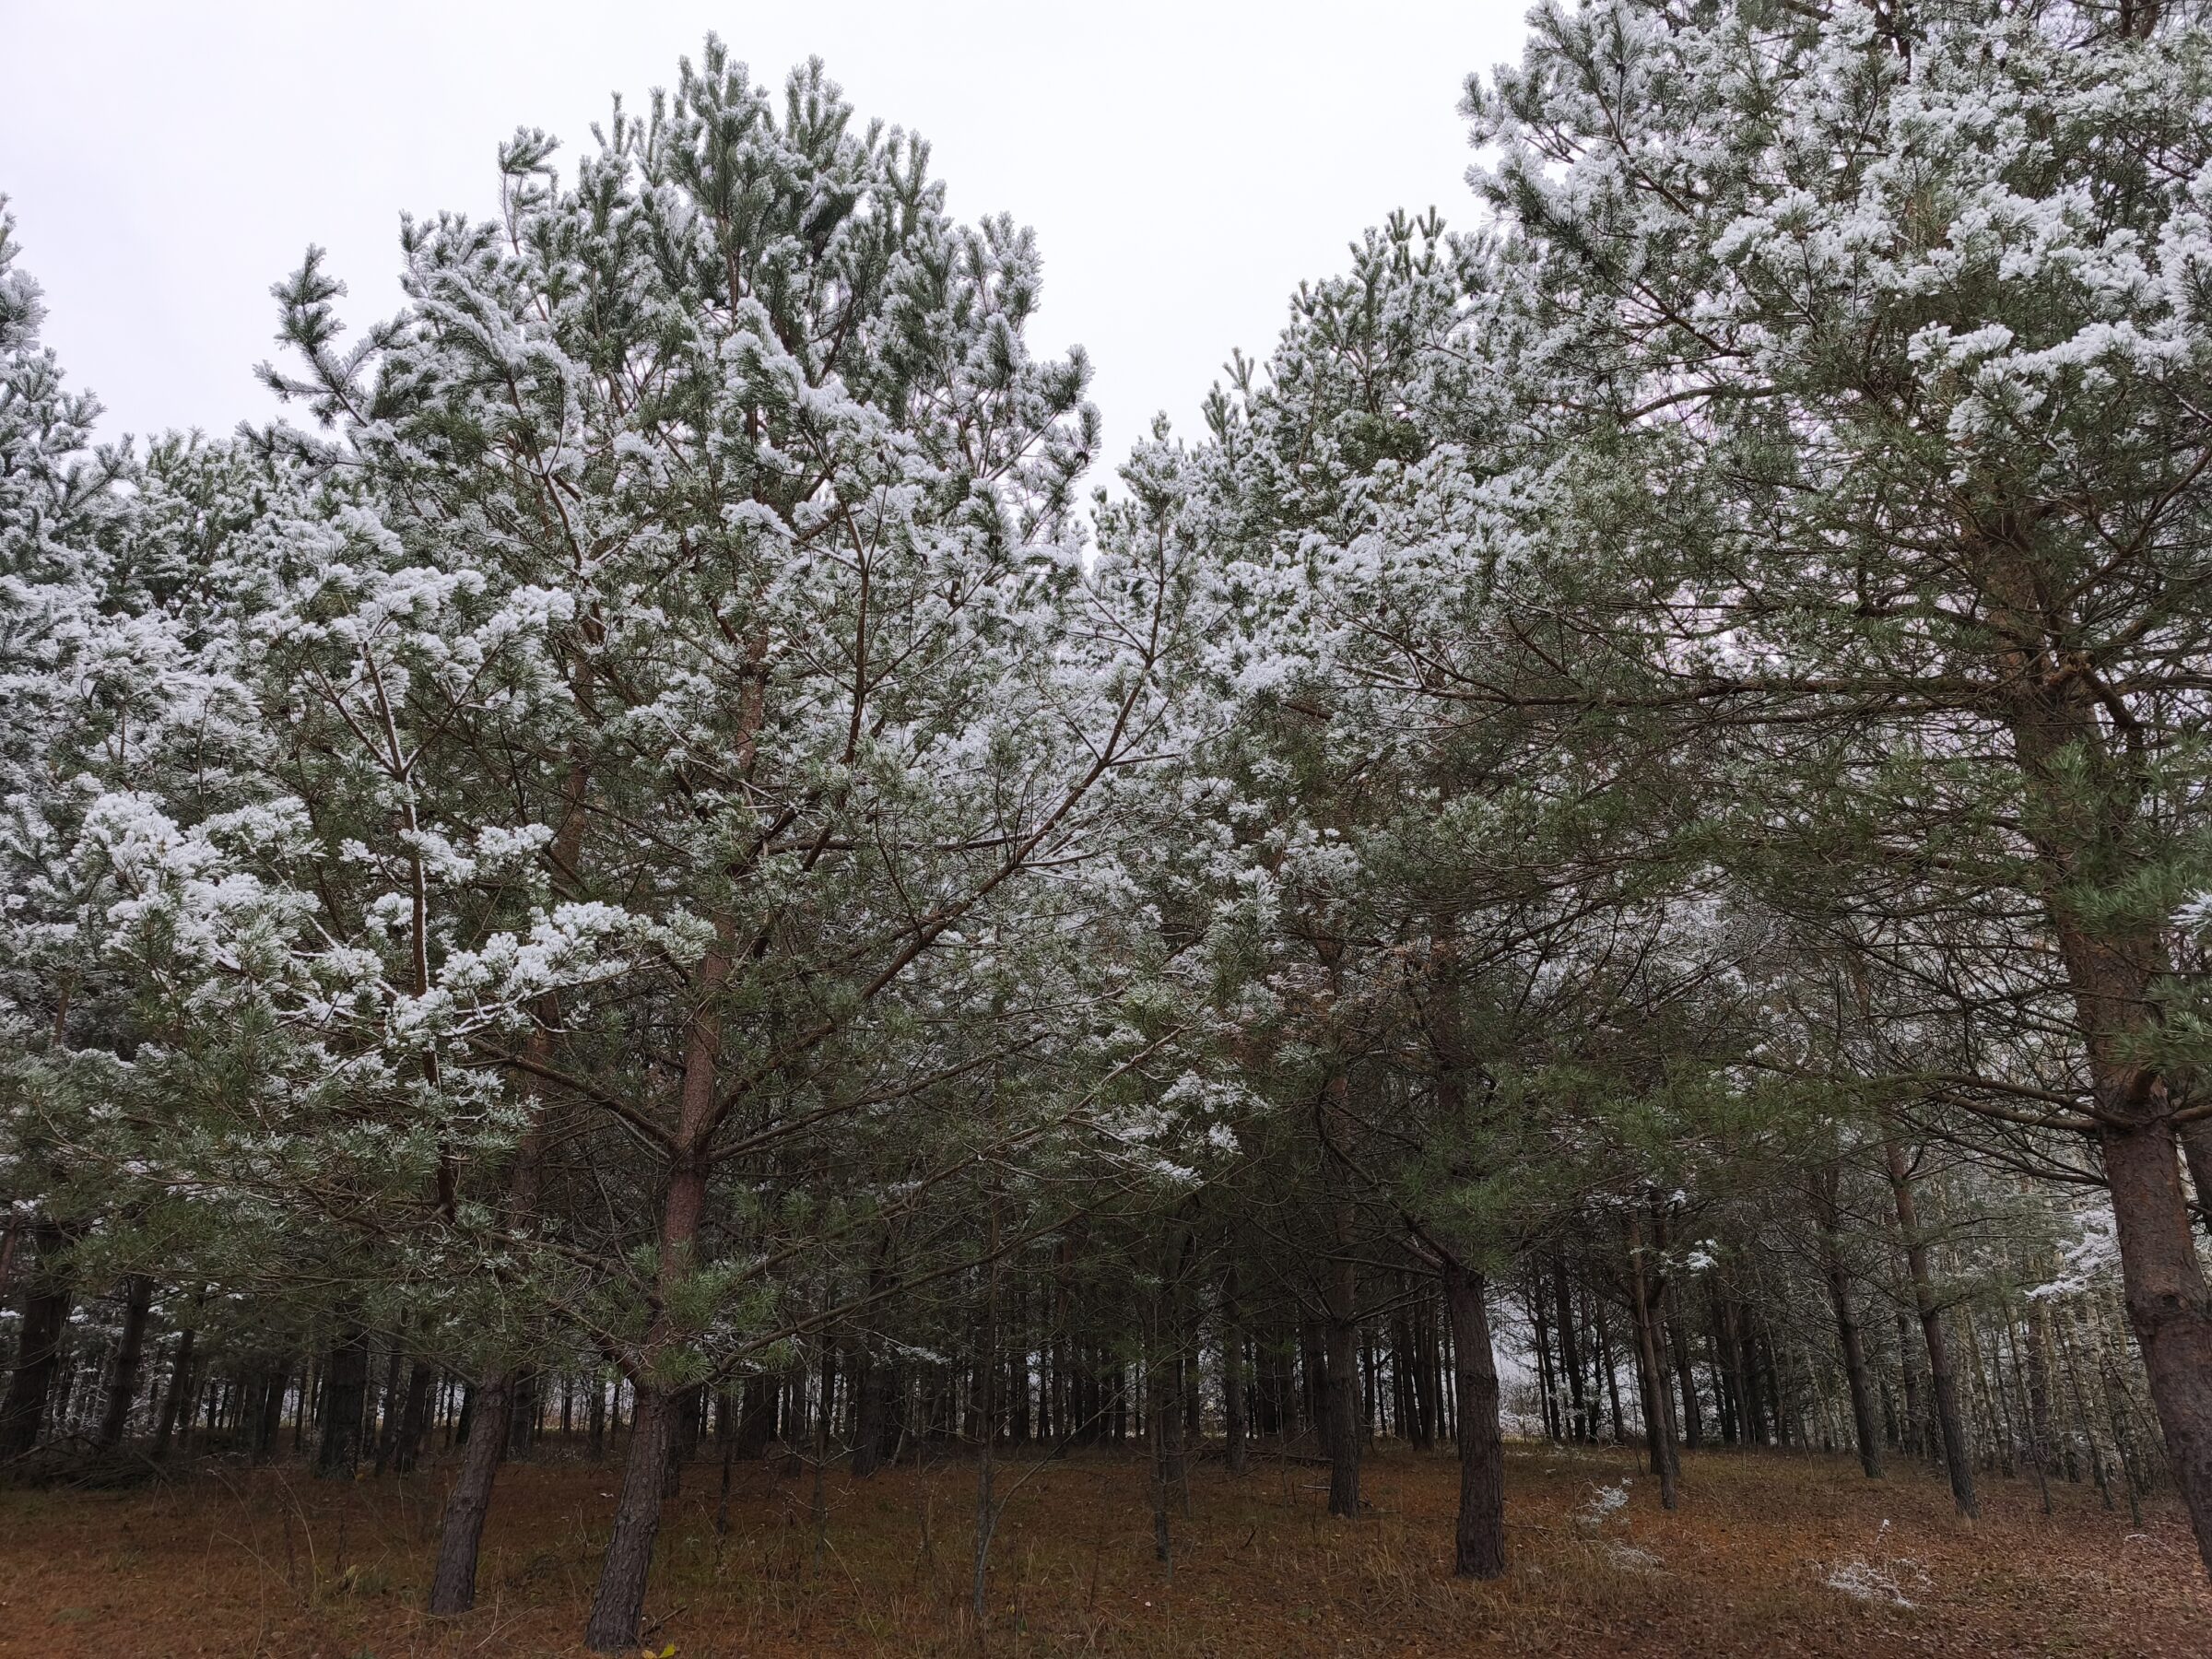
(522, 1413)
(179, 1380)
(1548, 1392)
(1233, 1428)
(487, 1411)
(1942, 1385)
(1159, 1430)
(2035, 1371)
(414, 1417)
(41, 1333)
(345, 1396)
(1604, 1354)
(1658, 1401)
(123, 1386)
(1563, 1312)
(1341, 1396)
(986, 1378)
(1692, 1422)
(2081, 1417)
(1847, 1324)
(387, 1440)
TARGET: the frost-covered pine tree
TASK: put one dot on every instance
(64, 718)
(761, 416)
(1900, 317)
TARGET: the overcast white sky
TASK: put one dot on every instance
(1184, 164)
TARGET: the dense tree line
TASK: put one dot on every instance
(649, 876)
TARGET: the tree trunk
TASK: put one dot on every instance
(620, 1603)
(2036, 1368)
(1605, 1356)
(1478, 1540)
(1943, 1386)
(871, 1378)
(2168, 1306)
(1548, 1392)
(123, 1386)
(270, 1419)
(1340, 1404)
(487, 1411)
(1847, 1324)
(414, 1419)
(683, 1431)
(618, 1607)
(521, 1413)
(41, 1333)
(1233, 1430)
(1658, 1401)
(986, 1410)
(2084, 798)
(1685, 1374)
(387, 1438)
(1563, 1312)
(1161, 1430)
(454, 1582)
(179, 1381)
(345, 1396)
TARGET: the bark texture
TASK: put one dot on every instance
(1478, 1536)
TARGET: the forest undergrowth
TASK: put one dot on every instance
(1768, 1554)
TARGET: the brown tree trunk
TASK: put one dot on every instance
(684, 1408)
(1478, 1538)
(1548, 1392)
(1340, 1405)
(41, 1333)
(490, 1421)
(1233, 1428)
(521, 1413)
(414, 1417)
(1604, 1358)
(869, 1375)
(345, 1396)
(1847, 1324)
(1563, 1312)
(620, 1604)
(1685, 1374)
(2085, 797)
(2168, 1306)
(123, 1384)
(454, 1581)
(1658, 1401)
(172, 1402)
(618, 1607)
(1942, 1385)
(2041, 1416)
(1161, 1427)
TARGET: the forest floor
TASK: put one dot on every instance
(1768, 1554)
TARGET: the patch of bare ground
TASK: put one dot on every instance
(1768, 1554)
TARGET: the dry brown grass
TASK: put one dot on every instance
(273, 1562)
